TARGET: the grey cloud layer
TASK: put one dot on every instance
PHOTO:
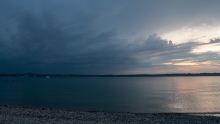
(41, 42)
(216, 40)
(87, 37)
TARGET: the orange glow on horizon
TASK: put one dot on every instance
(177, 69)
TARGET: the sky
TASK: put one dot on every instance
(109, 36)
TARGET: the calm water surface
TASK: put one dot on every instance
(125, 94)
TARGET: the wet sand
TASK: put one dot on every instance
(34, 115)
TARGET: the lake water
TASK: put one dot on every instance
(123, 94)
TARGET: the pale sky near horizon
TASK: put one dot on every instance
(109, 36)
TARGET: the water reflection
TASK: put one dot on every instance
(128, 94)
(191, 94)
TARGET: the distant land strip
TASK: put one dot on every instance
(108, 75)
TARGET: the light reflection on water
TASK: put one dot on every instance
(195, 94)
(128, 94)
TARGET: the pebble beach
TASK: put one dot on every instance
(34, 115)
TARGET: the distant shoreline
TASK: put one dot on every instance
(21, 114)
(109, 75)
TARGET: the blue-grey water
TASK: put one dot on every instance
(123, 94)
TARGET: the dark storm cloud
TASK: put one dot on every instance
(41, 41)
(93, 37)
(45, 43)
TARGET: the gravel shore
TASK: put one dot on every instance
(32, 115)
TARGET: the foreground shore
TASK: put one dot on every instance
(31, 115)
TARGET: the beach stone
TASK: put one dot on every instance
(33, 115)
